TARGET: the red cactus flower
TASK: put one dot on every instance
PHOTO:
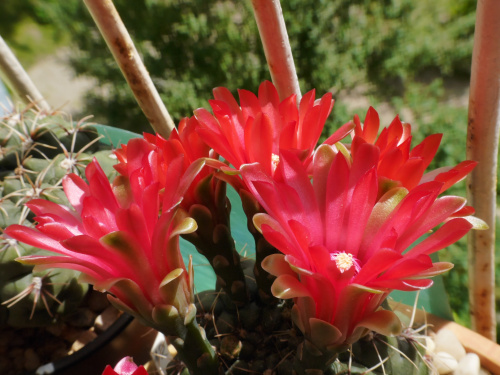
(256, 129)
(116, 237)
(344, 247)
(126, 366)
(399, 164)
(185, 147)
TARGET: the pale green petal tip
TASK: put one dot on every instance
(288, 286)
(324, 334)
(230, 171)
(166, 316)
(116, 240)
(282, 293)
(367, 289)
(258, 220)
(173, 275)
(186, 226)
(300, 270)
(325, 153)
(382, 321)
(190, 315)
(344, 151)
(276, 265)
(120, 305)
(477, 223)
(272, 260)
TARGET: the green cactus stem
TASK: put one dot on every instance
(312, 361)
(189, 339)
(262, 249)
(391, 355)
(35, 298)
(37, 149)
(213, 238)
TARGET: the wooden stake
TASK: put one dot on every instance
(272, 29)
(482, 146)
(122, 47)
(18, 80)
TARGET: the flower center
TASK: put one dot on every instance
(275, 159)
(344, 261)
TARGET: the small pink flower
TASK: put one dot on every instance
(167, 160)
(124, 237)
(126, 366)
(399, 164)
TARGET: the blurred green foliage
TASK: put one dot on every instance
(397, 51)
(189, 47)
(11, 13)
(192, 46)
(25, 31)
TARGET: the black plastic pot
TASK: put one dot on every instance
(125, 337)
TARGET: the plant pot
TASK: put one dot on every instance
(126, 337)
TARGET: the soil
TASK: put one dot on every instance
(23, 350)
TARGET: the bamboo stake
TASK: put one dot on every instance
(482, 146)
(18, 80)
(122, 47)
(273, 34)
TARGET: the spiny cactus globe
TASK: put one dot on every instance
(37, 149)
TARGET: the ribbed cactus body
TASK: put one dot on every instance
(36, 151)
(259, 337)
(214, 240)
(250, 330)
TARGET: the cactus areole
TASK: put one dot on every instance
(332, 223)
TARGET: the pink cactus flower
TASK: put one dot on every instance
(256, 129)
(344, 247)
(116, 237)
(126, 366)
(185, 147)
(399, 164)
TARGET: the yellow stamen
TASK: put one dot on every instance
(275, 159)
(344, 261)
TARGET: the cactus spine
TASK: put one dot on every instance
(37, 149)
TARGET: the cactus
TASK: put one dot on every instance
(261, 338)
(342, 236)
(37, 149)
(213, 239)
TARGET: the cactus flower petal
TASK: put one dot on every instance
(125, 366)
(260, 126)
(124, 246)
(346, 233)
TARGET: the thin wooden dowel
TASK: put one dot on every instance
(482, 146)
(18, 80)
(122, 47)
(272, 30)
